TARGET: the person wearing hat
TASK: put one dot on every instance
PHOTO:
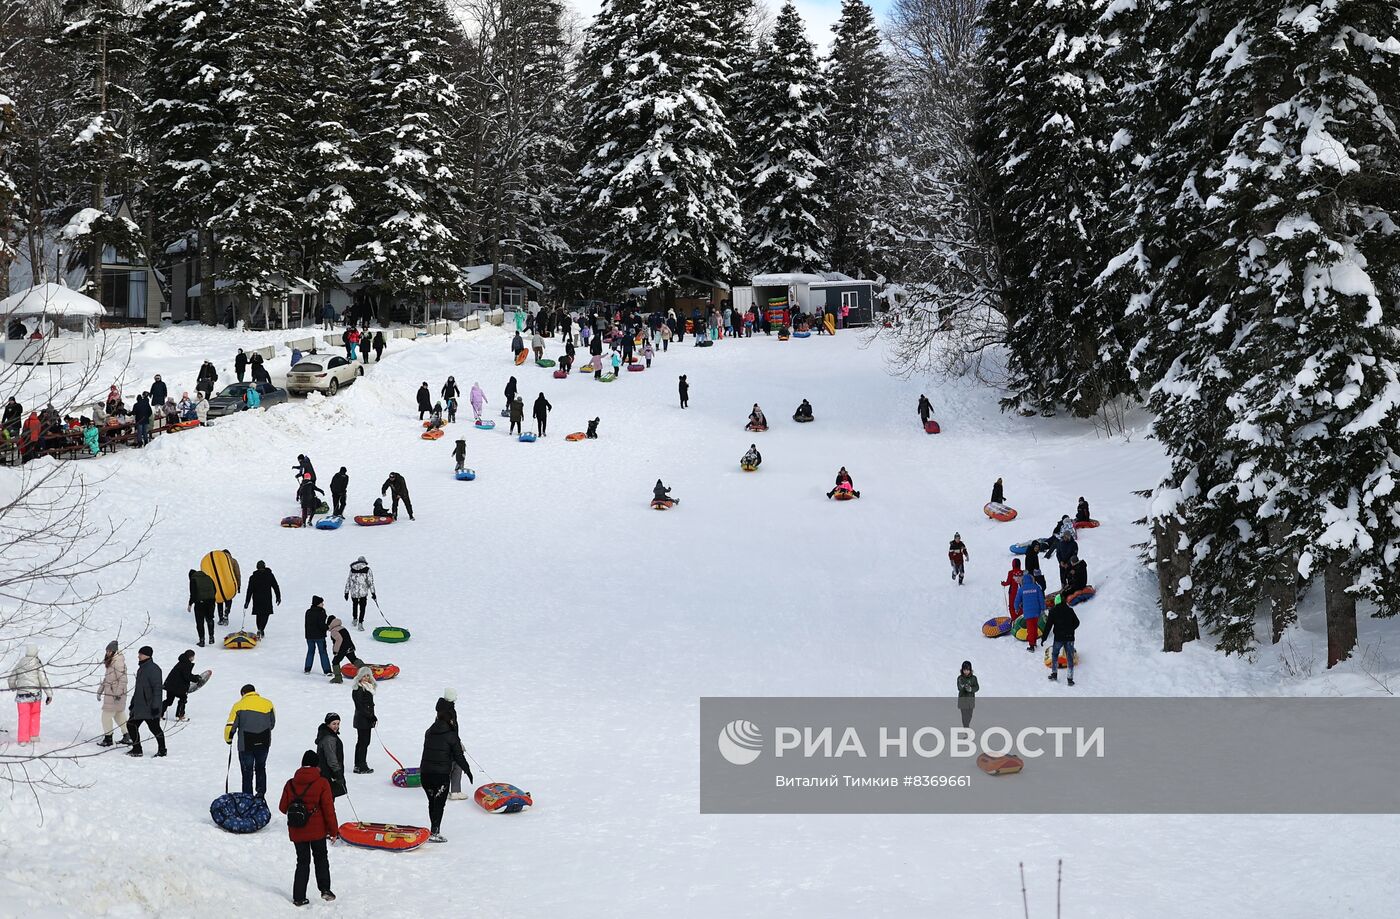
(359, 588)
(252, 718)
(30, 682)
(442, 749)
(178, 684)
(262, 590)
(112, 692)
(203, 599)
(957, 555)
(145, 703)
(343, 648)
(331, 753)
(316, 635)
(310, 788)
(967, 693)
(447, 708)
(365, 719)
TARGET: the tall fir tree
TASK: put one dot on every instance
(785, 197)
(406, 105)
(857, 153)
(655, 142)
(1044, 144)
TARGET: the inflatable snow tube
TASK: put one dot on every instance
(391, 633)
(749, 467)
(388, 836)
(1063, 656)
(466, 475)
(1000, 765)
(803, 419)
(241, 641)
(1085, 524)
(292, 523)
(755, 428)
(527, 438)
(182, 425)
(607, 378)
(1081, 596)
(485, 424)
(706, 343)
(501, 798)
(801, 334)
(237, 812)
(636, 368)
(932, 427)
(661, 505)
(783, 337)
(843, 494)
(997, 626)
(368, 521)
(1021, 548)
(222, 569)
(544, 362)
(561, 374)
(330, 523)
(576, 436)
(381, 671)
(999, 512)
(505, 413)
(436, 434)
(407, 778)
(522, 357)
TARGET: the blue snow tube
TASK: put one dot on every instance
(237, 812)
(527, 438)
(466, 475)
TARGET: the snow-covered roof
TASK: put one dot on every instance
(297, 285)
(50, 300)
(843, 282)
(477, 274)
(785, 279)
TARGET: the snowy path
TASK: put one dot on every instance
(580, 629)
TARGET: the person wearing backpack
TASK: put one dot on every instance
(203, 594)
(310, 808)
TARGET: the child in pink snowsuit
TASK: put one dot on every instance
(477, 399)
(30, 683)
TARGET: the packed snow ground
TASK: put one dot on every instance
(580, 629)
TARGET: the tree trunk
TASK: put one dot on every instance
(1341, 611)
(1283, 575)
(1173, 564)
(208, 276)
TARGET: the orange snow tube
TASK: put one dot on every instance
(999, 512)
(389, 836)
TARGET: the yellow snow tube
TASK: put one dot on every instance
(222, 569)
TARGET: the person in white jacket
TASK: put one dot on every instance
(112, 692)
(30, 682)
(359, 587)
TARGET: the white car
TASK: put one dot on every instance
(322, 374)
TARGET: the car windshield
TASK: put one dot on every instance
(233, 392)
(306, 367)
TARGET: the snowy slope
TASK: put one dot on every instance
(580, 629)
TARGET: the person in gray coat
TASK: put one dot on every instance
(146, 699)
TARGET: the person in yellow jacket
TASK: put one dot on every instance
(252, 718)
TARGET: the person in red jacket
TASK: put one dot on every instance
(313, 792)
(1012, 583)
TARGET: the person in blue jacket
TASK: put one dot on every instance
(1030, 603)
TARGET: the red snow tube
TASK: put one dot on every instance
(499, 796)
(636, 367)
(369, 521)
(932, 427)
(381, 671)
(435, 434)
(1085, 524)
(999, 512)
(662, 505)
(843, 494)
(389, 836)
(576, 436)
(561, 374)
(292, 522)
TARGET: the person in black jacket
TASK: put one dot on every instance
(330, 754)
(208, 376)
(177, 685)
(450, 389)
(307, 496)
(925, 410)
(1033, 563)
(685, 392)
(13, 413)
(399, 488)
(425, 400)
(442, 748)
(262, 588)
(145, 703)
(998, 493)
(447, 710)
(379, 345)
(1061, 623)
(365, 720)
(303, 468)
(541, 413)
(158, 391)
(511, 387)
(316, 635)
(340, 484)
(141, 412)
(240, 364)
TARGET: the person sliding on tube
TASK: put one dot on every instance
(435, 419)
(843, 483)
(660, 494)
(459, 453)
(1076, 578)
(957, 554)
(998, 493)
(804, 412)
(752, 458)
(757, 420)
(1081, 513)
(379, 509)
(306, 496)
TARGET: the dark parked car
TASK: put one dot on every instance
(230, 400)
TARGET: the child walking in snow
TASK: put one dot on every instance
(459, 453)
(957, 554)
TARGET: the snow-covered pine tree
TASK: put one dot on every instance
(406, 105)
(1044, 143)
(785, 199)
(325, 148)
(857, 148)
(105, 54)
(655, 143)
